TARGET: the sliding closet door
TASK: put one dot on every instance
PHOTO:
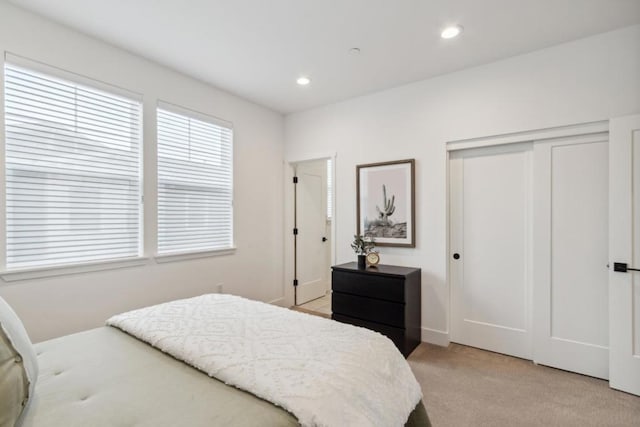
(570, 292)
(490, 192)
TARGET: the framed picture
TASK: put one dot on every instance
(386, 202)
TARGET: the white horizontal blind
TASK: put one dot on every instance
(195, 186)
(72, 172)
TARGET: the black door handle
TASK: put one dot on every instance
(622, 267)
(324, 239)
(456, 256)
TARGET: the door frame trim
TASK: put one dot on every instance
(288, 299)
(530, 135)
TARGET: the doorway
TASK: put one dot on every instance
(313, 223)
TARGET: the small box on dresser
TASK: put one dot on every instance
(385, 299)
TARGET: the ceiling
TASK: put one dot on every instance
(257, 48)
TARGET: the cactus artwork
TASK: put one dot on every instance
(388, 207)
(381, 225)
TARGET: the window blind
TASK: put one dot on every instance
(72, 171)
(195, 185)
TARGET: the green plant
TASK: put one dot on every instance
(362, 245)
(388, 207)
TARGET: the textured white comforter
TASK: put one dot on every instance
(324, 372)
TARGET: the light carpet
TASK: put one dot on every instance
(465, 386)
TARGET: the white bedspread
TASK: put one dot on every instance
(324, 372)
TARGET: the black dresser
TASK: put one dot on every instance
(385, 299)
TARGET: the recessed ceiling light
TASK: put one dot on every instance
(303, 80)
(354, 51)
(451, 32)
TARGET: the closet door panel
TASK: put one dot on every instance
(570, 259)
(490, 233)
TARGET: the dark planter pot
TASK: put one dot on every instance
(362, 262)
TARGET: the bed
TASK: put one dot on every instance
(107, 377)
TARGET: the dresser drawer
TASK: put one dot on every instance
(397, 335)
(379, 311)
(369, 285)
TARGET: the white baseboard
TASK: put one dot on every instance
(277, 301)
(434, 336)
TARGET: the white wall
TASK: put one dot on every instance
(587, 80)
(56, 306)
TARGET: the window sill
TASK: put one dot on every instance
(194, 255)
(64, 270)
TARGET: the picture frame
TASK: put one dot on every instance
(385, 195)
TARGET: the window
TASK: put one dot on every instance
(72, 171)
(195, 185)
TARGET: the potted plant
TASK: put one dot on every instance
(362, 245)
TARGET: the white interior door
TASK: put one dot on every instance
(570, 292)
(311, 209)
(490, 280)
(624, 247)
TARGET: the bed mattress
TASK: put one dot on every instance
(104, 377)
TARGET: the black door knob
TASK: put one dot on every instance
(324, 239)
(456, 256)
